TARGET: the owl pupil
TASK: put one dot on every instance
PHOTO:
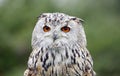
(65, 28)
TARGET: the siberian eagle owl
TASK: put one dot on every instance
(59, 47)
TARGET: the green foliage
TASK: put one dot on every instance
(102, 23)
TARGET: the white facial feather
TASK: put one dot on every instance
(56, 21)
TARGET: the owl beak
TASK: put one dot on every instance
(55, 36)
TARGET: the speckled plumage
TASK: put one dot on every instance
(59, 53)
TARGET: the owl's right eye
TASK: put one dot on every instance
(46, 29)
(65, 29)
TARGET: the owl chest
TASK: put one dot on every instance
(62, 63)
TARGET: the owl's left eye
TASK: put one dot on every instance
(46, 29)
(65, 29)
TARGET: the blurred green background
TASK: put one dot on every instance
(102, 26)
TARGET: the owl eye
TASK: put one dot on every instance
(65, 29)
(46, 29)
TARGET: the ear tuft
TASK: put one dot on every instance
(81, 20)
(78, 20)
(41, 16)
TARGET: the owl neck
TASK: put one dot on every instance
(62, 55)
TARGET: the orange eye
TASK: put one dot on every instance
(46, 29)
(65, 29)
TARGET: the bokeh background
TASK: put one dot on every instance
(102, 26)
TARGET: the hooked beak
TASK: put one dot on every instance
(55, 36)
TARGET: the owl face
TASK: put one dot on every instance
(57, 30)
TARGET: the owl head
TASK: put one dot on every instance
(58, 29)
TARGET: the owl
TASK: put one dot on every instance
(59, 47)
